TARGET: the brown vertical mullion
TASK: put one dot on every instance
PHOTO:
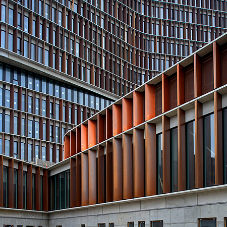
(149, 101)
(109, 172)
(78, 181)
(150, 160)
(180, 85)
(127, 167)
(92, 194)
(138, 162)
(84, 180)
(117, 170)
(101, 175)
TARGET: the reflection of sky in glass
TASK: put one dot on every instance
(212, 135)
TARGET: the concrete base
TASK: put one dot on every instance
(181, 209)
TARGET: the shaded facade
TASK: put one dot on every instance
(76, 57)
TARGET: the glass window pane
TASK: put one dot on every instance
(174, 159)
(209, 151)
(190, 148)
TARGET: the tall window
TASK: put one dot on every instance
(30, 155)
(190, 148)
(156, 223)
(160, 163)
(174, 159)
(5, 186)
(209, 151)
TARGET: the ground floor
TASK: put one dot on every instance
(200, 207)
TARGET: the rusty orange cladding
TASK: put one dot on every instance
(149, 101)
(91, 133)
(84, 137)
(117, 120)
(138, 107)
(126, 114)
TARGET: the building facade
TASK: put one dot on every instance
(63, 61)
(73, 58)
(155, 157)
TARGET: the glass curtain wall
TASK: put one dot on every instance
(190, 149)
(59, 191)
(160, 163)
(209, 151)
(174, 159)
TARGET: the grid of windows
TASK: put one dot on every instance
(138, 37)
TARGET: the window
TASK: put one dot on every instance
(102, 225)
(207, 222)
(141, 224)
(209, 151)
(174, 159)
(156, 223)
(111, 224)
(130, 224)
(160, 163)
(190, 149)
(11, 16)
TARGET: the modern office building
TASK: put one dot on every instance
(155, 157)
(63, 61)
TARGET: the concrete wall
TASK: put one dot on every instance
(22, 217)
(177, 210)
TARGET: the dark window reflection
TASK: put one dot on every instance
(209, 152)
(160, 163)
(190, 148)
(174, 159)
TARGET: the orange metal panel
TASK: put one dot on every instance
(109, 172)
(127, 167)
(84, 179)
(66, 147)
(198, 144)
(100, 128)
(101, 175)
(150, 160)
(91, 133)
(10, 184)
(92, 177)
(78, 180)
(217, 65)
(197, 76)
(84, 137)
(218, 138)
(138, 162)
(73, 182)
(117, 120)
(165, 93)
(126, 114)
(180, 85)
(72, 143)
(181, 151)
(138, 107)
(78, 140)
(149, 101)
(117, 169)
(166, 153)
